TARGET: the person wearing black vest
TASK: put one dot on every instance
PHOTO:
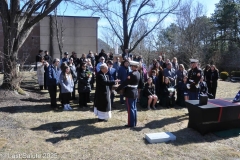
(131, 93)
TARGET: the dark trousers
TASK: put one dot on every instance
(83, 98)
(180, 98)
(41, 87)
(88, 97)
(121, 98)
(66, 98)
(132, 111)
(168, 101)
(53, 94)
(73, 93)
(59, 96)
(212, 90)
(45, 80)
(92, 81)
(112, 98)
(193, 95)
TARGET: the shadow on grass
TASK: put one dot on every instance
(189, 135)
(36, 100)
(84, 128)
(163, 122)
(183, 136)
(30, 108)
(31, 89)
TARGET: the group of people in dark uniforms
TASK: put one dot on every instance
(158, 82)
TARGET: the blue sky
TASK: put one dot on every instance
(71, 11)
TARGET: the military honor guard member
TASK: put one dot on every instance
(130, 86)
(194, 76)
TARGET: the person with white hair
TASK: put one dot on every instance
(170, 73)
(52, 81)
(102, 98)
(160, 61)
(102, 61)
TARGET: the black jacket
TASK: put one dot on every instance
(101, 100)
(48, 59)
(149, 90)
(212, 76)
(73, 72)
(141, 81)
(181, 88)
(164, 89)
(83, 81)
(92, 58)
(194, 76)
(203, 87)
(133, 80)
(102, 54)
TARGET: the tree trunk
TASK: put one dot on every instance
(11, 46)
(125, 27)
(10, 79)
(17, 22)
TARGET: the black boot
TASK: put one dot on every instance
(41, 87)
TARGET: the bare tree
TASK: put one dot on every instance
(18, 19)
(59, 28)
(123, 15)
(110, 38)
(190, 26)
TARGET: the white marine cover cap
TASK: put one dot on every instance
(193, 60)
(134, 63)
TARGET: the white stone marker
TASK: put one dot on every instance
(160, 137)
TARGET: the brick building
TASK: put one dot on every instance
(80, 35)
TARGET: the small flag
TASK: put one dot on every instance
(237, 97)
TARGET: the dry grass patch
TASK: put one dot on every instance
(28, 125)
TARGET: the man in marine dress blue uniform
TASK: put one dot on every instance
(131, 93)
(194, 76)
